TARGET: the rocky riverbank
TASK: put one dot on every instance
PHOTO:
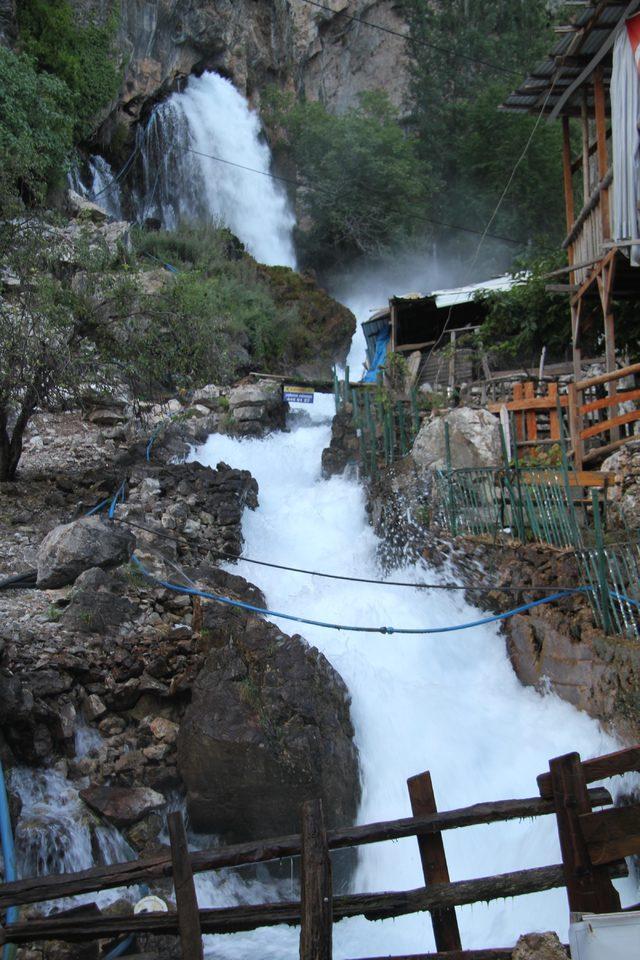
(135, 696)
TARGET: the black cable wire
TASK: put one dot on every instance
(487, 588)
(413, 40)
(308, 186)
(19, 581)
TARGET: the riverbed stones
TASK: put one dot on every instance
(73, 547)
(122, 805)
(268, 728)
(474, 440)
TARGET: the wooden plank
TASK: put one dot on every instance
(518, 394)
(374, 906)
(601, 139)
(434, 861)
(589, 888)
(599, 453)
(607, 425)
(316, 889)
(36, 889)
(186, 900)
(554, 420)
(612, 834)
(530, 416)
(579, 478)
(609, 401)
(538, 403)
(599, 768)
(569, 205)
(605, 377)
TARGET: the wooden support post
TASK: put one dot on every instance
(452, 360)
(575, 426)
(603, 156)
(186, 900)
(589, 888)
(554, 421)
(316, 909)
(434, 861)
(531, 423)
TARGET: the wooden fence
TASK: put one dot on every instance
(592, 845)
(592, 409)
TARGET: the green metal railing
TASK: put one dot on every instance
(386, 426)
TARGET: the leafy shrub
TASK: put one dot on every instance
(363, 184)
(78, 54)
(35, 128)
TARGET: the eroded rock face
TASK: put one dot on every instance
(268, 727)
(257, 408)
(320, 53)
(71, 548)
(474, 438)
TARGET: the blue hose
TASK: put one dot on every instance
(355, 629)
(9, 857)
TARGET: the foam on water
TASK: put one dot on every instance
(181, 181)
(448, 703)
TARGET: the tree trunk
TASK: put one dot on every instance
(11, 446)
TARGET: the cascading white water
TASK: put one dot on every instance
(101, 186)
(449, 703)
(181, 181)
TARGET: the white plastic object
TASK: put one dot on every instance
(606, 936)
(151, 904)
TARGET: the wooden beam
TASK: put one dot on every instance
(36, 889)
(186, 900)
(612, 834)
(373, 906)
(589, 888)
(606, 425)
(434, 861)
(599, 768)
(629, 371)
(569, 203)
(603, 156)
(599, 453)
(631, 8)
(607, 401)
(316, 889)
(532, 403)
(596, 196)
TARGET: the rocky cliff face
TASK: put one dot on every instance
(293, 43)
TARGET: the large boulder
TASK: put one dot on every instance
(539, 946)
(257, 408)
(268, 728)
(474, 440)
(71, 548)
(122, 805)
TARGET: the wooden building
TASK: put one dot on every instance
(590, 83)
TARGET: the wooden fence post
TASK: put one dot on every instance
(434, 861)
(186, 900)
(589, 888)
(575, 426)
(316, 908)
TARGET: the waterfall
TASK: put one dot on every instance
(448, 703)
(181, 181)
(99, 185)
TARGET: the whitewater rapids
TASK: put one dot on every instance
(448, 703)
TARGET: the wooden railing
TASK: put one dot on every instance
(592, 845)
(536, 418)
(593, 417)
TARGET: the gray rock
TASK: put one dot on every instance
(122, 805)
(208, 396)
(71, 548)
(474, 437)
(85, 209)
(539, 946)
(268, 727)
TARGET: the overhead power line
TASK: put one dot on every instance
(310, 186)
(414, 41)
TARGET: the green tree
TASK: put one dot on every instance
(362, 184)
(467, 58)
(35, 128)
(80, 54)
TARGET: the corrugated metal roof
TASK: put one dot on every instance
(550, 78)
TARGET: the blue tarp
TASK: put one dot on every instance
(379, 357)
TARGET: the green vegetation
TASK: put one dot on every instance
(35, 129)
(364, 186)
(468, 147)
(78, 54)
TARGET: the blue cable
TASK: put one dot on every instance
(118, 496)
(341, 626)
(98, 507)
(9, 857)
